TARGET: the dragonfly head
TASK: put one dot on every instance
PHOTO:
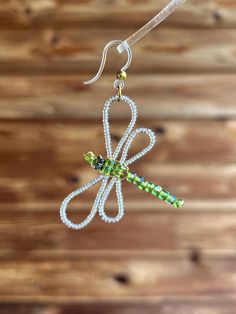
(96, 162)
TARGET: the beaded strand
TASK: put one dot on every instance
(116, 169)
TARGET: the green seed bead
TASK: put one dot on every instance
(108, 167)
(120, 171)
(156, 190)
(138, 180)
(163, 195)
(111, 163)
(119, 175)
(143, 185)
(90, 157)
(149, 187)
(130, 177)
(171, 199)
(178, 203)
(106, 171)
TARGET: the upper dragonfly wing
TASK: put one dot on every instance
(144, 151)
(106, 125)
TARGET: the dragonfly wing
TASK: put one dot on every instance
(106, 124)
(88, 219)
(104, 198)
(144, 151)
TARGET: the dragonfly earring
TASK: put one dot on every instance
(114, 168)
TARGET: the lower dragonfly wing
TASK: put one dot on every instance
(120, 214)
(88, 219)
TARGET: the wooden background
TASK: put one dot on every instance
(183, 77)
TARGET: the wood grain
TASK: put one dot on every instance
(64, 141)
(157, 259)
(146, 277)
(39, 232)
(179, 96)
(71, 51)
(47, 185)
(165, 305)
(197, 13)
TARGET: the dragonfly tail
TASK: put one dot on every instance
(155, 190)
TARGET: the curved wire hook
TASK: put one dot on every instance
(104, 57)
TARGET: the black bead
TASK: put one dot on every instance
(99, 163)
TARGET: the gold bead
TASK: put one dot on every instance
(121, 75)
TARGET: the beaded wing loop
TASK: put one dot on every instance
(113, 171)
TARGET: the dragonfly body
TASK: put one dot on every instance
(115, 168)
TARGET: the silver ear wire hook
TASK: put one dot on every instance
(125, 45)
(104, 57)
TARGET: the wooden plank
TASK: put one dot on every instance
(158, 96)
(63, 141)
(42, 161)
(46, 184)
(39, 232)
(69, 51)
(91, 279)
(207, 305)
(207, 13)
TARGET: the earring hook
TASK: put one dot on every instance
(104, 57)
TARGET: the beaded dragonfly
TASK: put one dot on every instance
(116, 171)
